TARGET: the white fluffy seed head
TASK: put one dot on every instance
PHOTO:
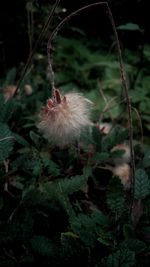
(123, 172)
(28, 89)
(64, 117)
(105, 128)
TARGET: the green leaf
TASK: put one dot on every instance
(121, 258)
(42, 246)
(34, 137)
(146, 159)
(66, 186)
(117, 136)
(142, 184)
(135, 245)
(20, 140)
(6, 141)
(90, 227)
(129, 27)
(50, 165)
(87, 171)
(106, 238)
(6, 109)
(115, 196)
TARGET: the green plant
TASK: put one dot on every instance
(64, 204)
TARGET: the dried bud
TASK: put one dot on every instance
(64, 117)
(105, 128)
(28, 89)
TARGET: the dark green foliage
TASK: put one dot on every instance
(115, 197)
(89, 228)
(142, 184)
(121, 258)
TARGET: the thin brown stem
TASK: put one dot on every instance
(48, 21)
(140, 125)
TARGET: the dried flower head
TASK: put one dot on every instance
(123, 172)
(105, 128)
(28, 89)
(64, 117)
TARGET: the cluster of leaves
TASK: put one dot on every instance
(62, 205)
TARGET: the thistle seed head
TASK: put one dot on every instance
(64, 117)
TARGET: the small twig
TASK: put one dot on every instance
(30, 24)
(6, 164)
(48, 21)
(9, 255)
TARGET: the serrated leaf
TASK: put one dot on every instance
(121, 258)
(134, 245)
(73, 184)
(89, 228)
(142, 184)
(115, 196)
